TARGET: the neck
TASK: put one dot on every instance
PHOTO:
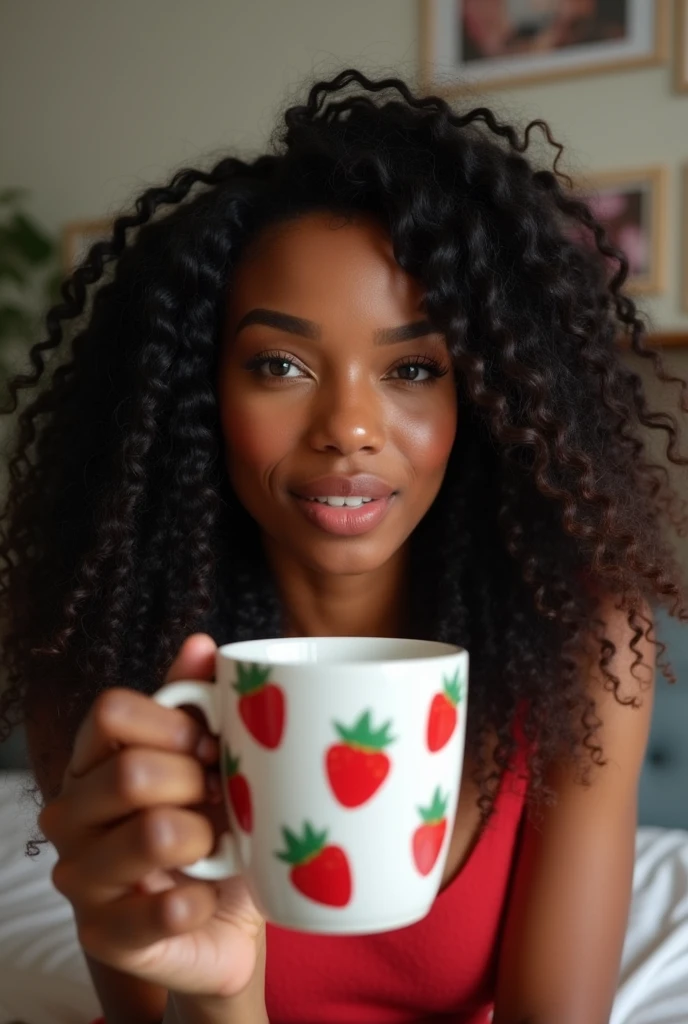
(367, 604)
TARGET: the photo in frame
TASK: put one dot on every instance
(684, 240)
(631, 205)
(77, 238)
(487, 44)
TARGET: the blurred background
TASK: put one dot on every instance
(100, 100)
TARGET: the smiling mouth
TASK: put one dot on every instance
(345, 517)
(336, 502)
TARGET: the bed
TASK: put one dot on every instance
(43, 978)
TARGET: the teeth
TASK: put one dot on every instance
(354, 502)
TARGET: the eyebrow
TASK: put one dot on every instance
(308, 329)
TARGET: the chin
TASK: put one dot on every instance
(347, 558)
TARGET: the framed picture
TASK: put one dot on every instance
(632, 207)
(77, 238)
(488, 44)
(684, 241)
(681, 69)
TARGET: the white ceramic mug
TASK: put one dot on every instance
(341, 763)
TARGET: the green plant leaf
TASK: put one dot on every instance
(27, 240)
(16, 322)
(10, 272)
(11, 196)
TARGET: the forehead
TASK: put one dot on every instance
(321, 266)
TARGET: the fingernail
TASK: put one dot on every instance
(207, 748)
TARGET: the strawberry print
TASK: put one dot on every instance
(428, 837)
(319, 871)
(261, 704)
(444, 716)
(358, 765)
(239, 793)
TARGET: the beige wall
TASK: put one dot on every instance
(99, 98)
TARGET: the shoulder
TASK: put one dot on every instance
(619, 675)
(572, 881)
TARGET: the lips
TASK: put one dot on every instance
(363, 486)
(345, 521)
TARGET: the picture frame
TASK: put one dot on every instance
(77, 238)
(681, 55)
(632, 206)
(684, 239)
(464, 48)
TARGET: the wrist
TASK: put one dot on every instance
(190, 1009)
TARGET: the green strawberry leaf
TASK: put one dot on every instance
(251, 678)
(231, 764)
(437, 810)
(452, 689)
(362, 733)
(300, 849)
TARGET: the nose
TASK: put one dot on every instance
(347, 418)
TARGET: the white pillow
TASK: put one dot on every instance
(44, 979)
(43, 975)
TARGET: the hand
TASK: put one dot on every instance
(133, 806)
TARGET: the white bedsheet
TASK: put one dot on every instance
(43, 978)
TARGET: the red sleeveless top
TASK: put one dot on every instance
(443, 966)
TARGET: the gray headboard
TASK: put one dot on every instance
(663, 797)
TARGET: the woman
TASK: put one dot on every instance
(392, 304)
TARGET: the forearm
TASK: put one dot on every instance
(128, 1000)
(125, 999)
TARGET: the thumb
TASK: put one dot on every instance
(195, 659)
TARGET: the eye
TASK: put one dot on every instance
(278, 367)
(275, 365)
(414, 372)
(418, 370)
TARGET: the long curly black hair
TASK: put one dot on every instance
(121, 534)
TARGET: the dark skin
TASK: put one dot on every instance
(313, 381)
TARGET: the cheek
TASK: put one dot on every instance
(252, 438)
(427, 438)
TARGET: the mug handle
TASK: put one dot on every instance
(224, 863)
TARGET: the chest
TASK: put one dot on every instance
(468, 826)
(442, 965)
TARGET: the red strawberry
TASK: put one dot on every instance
(261, 704)
(443, 714)
(356, 767)
(428, 837)
(239, 793)
(319, 871)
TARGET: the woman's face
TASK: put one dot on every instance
(333, 388)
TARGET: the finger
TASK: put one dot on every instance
(158, 839)
(131, 780)
(121, 718)
(195, 659)
(137, 921)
